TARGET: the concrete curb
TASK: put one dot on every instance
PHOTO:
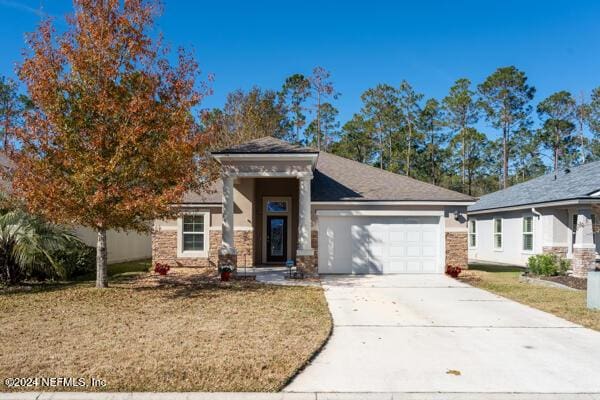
(294, 396)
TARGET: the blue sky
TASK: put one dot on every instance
(362, 43)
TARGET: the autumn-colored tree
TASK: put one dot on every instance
(111, 142)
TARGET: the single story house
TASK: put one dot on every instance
(277, 202)
(555, 213)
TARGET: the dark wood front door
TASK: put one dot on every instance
(276, 238)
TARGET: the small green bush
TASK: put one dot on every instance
(76, 260)
(547, 265)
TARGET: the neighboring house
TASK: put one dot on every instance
(121, 245)
(277, 202)
(555, 213)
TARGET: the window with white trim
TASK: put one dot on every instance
(193, 232)
(472, 233)
(528, 233)
(193, 235)
(498, 233)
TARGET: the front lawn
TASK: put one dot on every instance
(183, 332)
(567, 304)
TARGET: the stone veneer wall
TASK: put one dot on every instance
(309, 265)
(456, 249)
(560, 251)
(584, 260)
(164, 249)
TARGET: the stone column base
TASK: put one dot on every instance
(307, 265)
(584, 260)
(229, 260)
(457, 253)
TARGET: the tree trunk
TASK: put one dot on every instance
(408, 149)
(470, 183)
(505, 158)
(432, 165)
(319, 121)
(9, 276)
(101, 260)
(381, 149)
(555, 160)
(463, 159)
(581, 137)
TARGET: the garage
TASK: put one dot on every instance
(381, 244)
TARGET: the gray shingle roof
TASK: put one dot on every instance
(579, 182)
(266, 145)
(339, 179)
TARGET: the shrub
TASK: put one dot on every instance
(547, 265)
(453, 271)
(161, 269)
(76, 260)
(28, 245)
(32, 248)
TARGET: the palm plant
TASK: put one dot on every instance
(27, 246)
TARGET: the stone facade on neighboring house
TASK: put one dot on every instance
(583, 261)
(560, 251)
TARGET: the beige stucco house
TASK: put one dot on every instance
(277, 202)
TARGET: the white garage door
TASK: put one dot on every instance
(375, 245)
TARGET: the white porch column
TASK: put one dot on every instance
(584, 250)
(227, 246)
(304, 223)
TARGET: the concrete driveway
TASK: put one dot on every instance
(431, 333)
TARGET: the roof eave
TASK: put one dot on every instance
(312, 157)
(551, 203)
(395, 202)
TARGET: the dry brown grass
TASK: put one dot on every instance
(567, 304)
(182, 332)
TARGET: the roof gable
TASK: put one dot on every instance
(266, 145)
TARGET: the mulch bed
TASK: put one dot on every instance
(570, 281)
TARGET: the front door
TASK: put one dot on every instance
(276, 238)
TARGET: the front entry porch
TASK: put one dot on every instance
(278, 190)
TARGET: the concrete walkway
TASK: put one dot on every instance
(277, 276)
(431, 333)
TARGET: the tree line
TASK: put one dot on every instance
(435, 140)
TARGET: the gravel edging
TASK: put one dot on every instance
(541, 282)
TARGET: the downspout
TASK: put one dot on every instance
(541, 229)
